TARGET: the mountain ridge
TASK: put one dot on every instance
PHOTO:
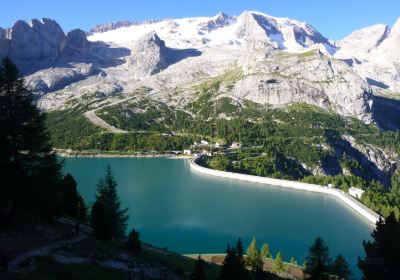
(166, 55)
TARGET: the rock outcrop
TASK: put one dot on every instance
(148, 55)
(313, 78)
(219, 21)
(360, 43)
(110, 26)
(280, 33)
(37, 41)
(283, 60)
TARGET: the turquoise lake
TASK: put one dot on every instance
(175, 207)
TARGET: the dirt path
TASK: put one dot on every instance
(45, 250)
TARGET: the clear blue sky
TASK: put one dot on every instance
(335, 18)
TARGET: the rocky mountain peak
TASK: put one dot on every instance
(77, 39)
(201, 48)
(361, 42)
(40, 40)
(256, 31)
(396, 26)
(110, 26)
(148, 55)
(149, 40)
(219, 21)
(388, 50)
(280, 33)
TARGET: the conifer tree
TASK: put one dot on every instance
(134, 243)
(98, 215)
(253, 256)
(278, 266)
(293, 261)
(232, 268)
(70, 196)
(382, 260)
(340, 268)
(108, 220)
(265, 251)
(30, 173)
(199, 272)
(239, 252)
(82, 210)
(317, 263)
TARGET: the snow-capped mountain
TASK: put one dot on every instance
(278, 33)
(278, 61)
(374, 53)
(360, 43)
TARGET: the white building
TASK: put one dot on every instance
(356, 192)
(204, 143)
(236, 145)
(187, 152)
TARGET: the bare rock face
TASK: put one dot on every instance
(256, 35)
(76, 43)
(45, 81)
(361, 42)
(316, 80)
(148, 55)
(4, 43)
(279, 33)
(386, 161)
(76, 39)
(283, 60)
(41, 40)
(110, 26)
(389, 49)
(219, 21)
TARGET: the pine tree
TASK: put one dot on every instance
(265, 252)
(30, 173)
(239, 252)
(134, 244)
(317, 262)
(253, 256)
(340, 269)
(228, 269)
(199, 272)
(232, 268)
(82, 209)
(278, 266)
(293, 261)
(70, 196)
(108, 220)
(99, 220)
(382, 260)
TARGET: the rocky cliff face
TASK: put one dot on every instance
(148, 55)
(360, 43)
(37, 41)
(283, 60)
(219, 21)
(110, 26)
(280, 33)
(373, 52)
(327, 83)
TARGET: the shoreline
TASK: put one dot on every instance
(371, 216)
(93, 154)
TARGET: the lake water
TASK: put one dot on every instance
(173, 206)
